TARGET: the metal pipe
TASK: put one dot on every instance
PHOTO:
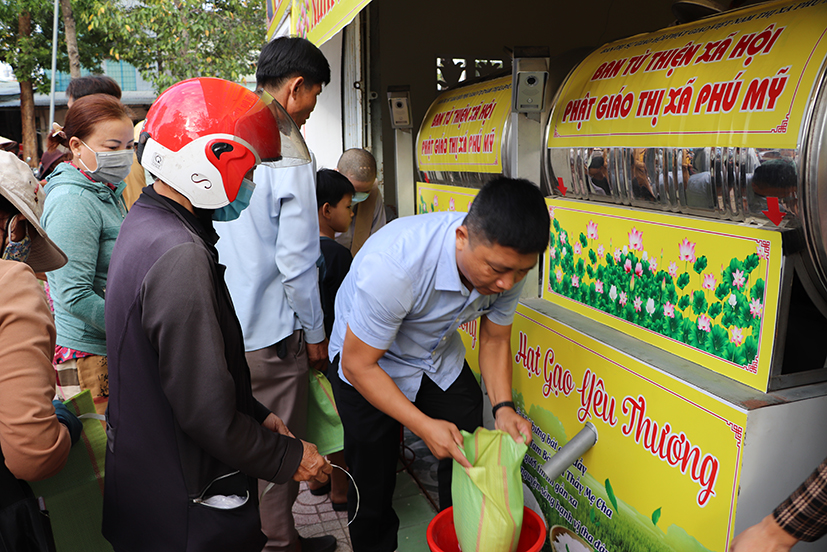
(571, 452)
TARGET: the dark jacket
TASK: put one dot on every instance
(181, 410)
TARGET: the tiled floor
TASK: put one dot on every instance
(315, 516)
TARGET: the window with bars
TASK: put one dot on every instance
(450, 71)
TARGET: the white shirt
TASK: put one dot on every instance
(270, 252)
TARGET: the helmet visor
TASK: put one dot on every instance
(294, 150)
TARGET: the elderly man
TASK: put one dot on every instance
(359, 166)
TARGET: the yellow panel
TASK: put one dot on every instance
(320, 20)
(739, 80)
(706, 291)
(670, 453)
(463, 129)
(279, 8)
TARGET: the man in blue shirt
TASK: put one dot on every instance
(270, 252)
(400, 357)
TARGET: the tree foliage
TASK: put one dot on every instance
(172, 40)
(31, 57)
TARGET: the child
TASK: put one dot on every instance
(334, 199)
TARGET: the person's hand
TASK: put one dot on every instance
(276, 425)
(764, 536)
(317, 355)
(68, 418)
(515, 425)
(444, 440)
(313, 465)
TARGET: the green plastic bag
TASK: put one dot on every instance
(324, 427)
(74, 497)
(488, 497)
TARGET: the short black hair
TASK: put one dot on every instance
(776, 173)
(596, 163)
(290, 56)
(331, 187)
(510, 212)
(92, 84)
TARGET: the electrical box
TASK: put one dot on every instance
(399, 100)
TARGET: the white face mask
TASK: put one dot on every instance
(113, 166)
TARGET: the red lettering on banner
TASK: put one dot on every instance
(672, 448)
(766, 90)
(714, 51)
(755, 44)
(635, 63)
(608, 70)
(649, 104)
(471, 329)
(527, 356)
(320, 9)
(719, 97)
(488, 141)
(557, 380)
(594, 400)
(680, 99)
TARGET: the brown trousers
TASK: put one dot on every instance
(281, 385)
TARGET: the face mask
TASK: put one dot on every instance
(113, 166)
(17, 251)
(242, 200)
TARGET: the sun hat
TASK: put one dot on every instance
(22, 189)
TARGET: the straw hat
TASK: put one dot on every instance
(21, 188)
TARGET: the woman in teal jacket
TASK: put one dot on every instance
(83, 213)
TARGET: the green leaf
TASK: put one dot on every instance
(757, 291)
(656, 516)
(750, 348)
(611, 494)
(683, 280)
(714, 310)
(700, 264)
(684, 302)
(699, 302)
(584, 241)
(718, 338)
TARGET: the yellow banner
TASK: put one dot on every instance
(432, 198)
(706, 291)
(739, 80)
(319, 20)
(276, 10)
(664, 473)
(463, 129)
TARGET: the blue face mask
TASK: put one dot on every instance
(242, 200)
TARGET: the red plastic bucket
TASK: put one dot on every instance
(443, 538)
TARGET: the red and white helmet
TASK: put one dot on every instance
(203, 135)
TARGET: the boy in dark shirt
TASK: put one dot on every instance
(334, 199)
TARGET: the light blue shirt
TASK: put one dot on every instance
(403, 294)
(270, 252)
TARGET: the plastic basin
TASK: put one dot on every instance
(443, 538)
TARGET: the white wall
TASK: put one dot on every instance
(323, 130)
